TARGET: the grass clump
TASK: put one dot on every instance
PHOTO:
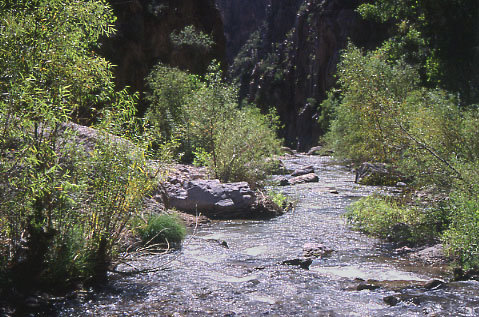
(162, 229)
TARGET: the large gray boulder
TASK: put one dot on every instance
(219, 200)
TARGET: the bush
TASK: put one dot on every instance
(162, 229)
(278, 198)
(386, 218)
(234, 143)
(169, 89)
(462, 237)
(365, 126)
(189, 36)
(384, 116)
(242, 147)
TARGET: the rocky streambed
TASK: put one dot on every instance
(257, 267)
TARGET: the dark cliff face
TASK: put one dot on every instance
(143, 37)
(290, 62)
(240, 19)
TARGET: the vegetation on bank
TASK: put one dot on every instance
(66, 203)
(63, 207)
(204, 117)
(391, 106)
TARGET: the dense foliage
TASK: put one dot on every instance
(439, 36)
(203, 114)
(63, 207)
(392, 106)
(189, 36)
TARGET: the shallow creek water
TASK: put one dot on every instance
(248, 279)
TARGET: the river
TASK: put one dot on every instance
(246, 277)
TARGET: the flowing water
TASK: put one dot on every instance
(247, 277)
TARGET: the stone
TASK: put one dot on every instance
(434, 284)
(391, 300)
(287, 150)
(314, 250)
(303, 263)
(315, 150)
(308, 178)
(375, 174)
(303, 171)
(367, 286)
(431, 255)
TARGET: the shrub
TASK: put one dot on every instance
(162, 229)
(383, 115)
(462, 237)
(243, 146)
(278, 198)
(234, 143)
(364, 128)
(386, 218)
(169, 88)
(190, 36)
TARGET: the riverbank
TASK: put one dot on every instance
(245, 276)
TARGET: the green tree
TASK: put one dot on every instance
(205, 115)
(440, 36)
(62, 206)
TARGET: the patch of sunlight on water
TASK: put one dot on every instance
(201, 256)
(380, 273)
(254, 251)
(232, 279)
(264, 299)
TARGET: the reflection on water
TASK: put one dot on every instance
(248, 279)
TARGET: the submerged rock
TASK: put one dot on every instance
(304, 263)
(371, 286)
(313, 250)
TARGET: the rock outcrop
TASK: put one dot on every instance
(240, 19)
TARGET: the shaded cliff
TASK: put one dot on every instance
(143, 37)
(241, 18)
(289, 62)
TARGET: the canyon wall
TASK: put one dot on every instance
(143, 37)
(290, 58)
